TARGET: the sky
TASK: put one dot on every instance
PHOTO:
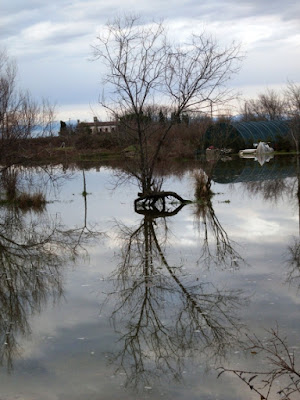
(52, 43)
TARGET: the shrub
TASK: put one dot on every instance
(86, 141)
(26, 201)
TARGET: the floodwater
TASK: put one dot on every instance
(101, 302)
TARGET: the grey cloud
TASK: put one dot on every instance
(272, 7)
(55, 65)
(19, 6)
(257, 8)
(218, 10)
(77, 82)
(14, 23)
(264, 66)
(22, 14)
(62, 37)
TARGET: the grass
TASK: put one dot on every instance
(202, 190)
(98, 156)
(84, 193)
(26, 202)
(66, 148)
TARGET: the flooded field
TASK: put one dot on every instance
(103, 300)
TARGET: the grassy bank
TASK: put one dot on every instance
(95, 149)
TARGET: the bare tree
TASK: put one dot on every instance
(20, 115)
(145, 69)
(268, 106)
(292, 95)
(282, 369)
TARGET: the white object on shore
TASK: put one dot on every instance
(262, 148)
(247, 151)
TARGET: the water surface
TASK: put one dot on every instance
(100, 302)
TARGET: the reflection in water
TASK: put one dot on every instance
(30, 272)
(260, 158)
(271, 190)
(293, 263)
(164, 314)
(276, 374)
(17, 180)
(162, 204)
(276, 189)
(34, 247)
(241, 170)
(216, 246)
(167, 318)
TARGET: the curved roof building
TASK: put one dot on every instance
(239, 135)
(265, 131)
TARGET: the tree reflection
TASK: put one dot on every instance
(274, 190)
(293, 258)
(293, 263)
(34, 247)
(17, 179)
(275, 373)
(216, 246)
(271, 190)
(165, 315)
(275, 183)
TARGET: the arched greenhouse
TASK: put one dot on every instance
(240, 135)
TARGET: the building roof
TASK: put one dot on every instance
(255, 131)
(100, 123)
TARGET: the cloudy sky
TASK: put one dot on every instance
(51, 42)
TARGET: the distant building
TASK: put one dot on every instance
(99, 126)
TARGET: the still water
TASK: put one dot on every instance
(101, 302)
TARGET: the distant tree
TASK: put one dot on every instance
(63, 128)
(133, 118)
(20, 115)
(268, 106)
(175, 118)
(185, 119)
(161, 117)
(82, 129)
(292, 96)
(74, 129)
(145, 68)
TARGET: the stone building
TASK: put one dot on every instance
(100, 126)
